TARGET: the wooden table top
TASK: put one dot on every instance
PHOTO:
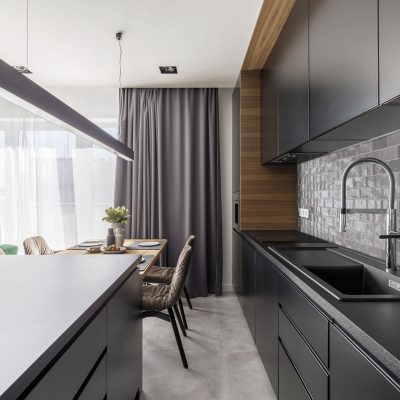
(155, 253)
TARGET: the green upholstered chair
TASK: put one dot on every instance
(9, 249)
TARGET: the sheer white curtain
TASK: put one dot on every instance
(52, 183)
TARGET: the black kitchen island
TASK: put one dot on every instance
(70, 327)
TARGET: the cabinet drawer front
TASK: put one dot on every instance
(353, 376)
(308, 367)
(96, 388)
(311, 323)
(290, 385)
(69, 372)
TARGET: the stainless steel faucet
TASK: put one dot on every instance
(391, 233)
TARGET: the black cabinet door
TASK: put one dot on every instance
(389, 55)
(343, 46)
(292, 67)
(236, 262)
(290, 384)
(124, 341)
(267, 317)
(247, 297)
(353, 376)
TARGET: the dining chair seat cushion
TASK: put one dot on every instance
(9, 249)
(159, 275)
(155, 297)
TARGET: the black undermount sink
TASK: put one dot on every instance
(341, 277)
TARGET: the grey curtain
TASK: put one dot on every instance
(173, 186)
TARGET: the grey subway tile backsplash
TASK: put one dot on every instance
(368, 187)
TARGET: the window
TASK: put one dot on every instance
(52, 183)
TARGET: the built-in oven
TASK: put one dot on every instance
(236, 210)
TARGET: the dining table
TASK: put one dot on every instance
(133, 246)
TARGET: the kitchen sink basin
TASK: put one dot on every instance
(342, 277)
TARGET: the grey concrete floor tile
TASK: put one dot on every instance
(164, 378)
(223, 361)
(202, 335)
(244, 377)
(235, 335)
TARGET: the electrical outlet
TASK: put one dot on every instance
(304, 213)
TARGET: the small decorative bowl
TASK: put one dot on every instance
(94, 249)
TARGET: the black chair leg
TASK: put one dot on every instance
(177, 337)
(187, 297)
(178, 317)
(182, 313)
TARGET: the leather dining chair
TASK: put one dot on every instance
(37, 246)
(163, 275)
(158, 298)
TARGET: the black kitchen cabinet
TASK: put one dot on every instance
(248, 284)
(353, 376)
(389, 57)
(343, 40)
(236, 263)
(124, 341)
(284, 88)
(292, 71)
(267, 317)
(290, 384)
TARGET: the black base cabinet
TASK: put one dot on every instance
(304, 354)
(267, 317)
(290, 384)
(248, 284)
(353, 376)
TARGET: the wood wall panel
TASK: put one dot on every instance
(272, 17)
(267, 193)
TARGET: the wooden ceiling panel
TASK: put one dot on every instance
(271, 20)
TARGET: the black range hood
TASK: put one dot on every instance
(20, 90)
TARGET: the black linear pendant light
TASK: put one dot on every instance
(19, 89)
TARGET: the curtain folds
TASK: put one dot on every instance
(173, 186)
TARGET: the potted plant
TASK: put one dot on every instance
(117, 216)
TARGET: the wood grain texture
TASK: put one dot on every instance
(267, 193)
(156, 253)
(271, 19)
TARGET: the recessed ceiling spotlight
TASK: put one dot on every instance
(22, 69)
(169, 69)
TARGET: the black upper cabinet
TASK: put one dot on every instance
(292, 70)
(284, 88)
(343, 49)
(353, 376)
(389, 55)
(267, 317)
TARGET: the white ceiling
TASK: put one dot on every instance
(72, 42)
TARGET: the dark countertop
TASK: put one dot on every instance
(44, 301)
(373, 325)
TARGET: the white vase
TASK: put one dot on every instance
(120, 225)
(119, 237)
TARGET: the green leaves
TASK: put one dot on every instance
(117, 215)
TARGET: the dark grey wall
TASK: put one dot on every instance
(319, 190)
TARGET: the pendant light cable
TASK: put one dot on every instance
(119, 38)
(27, 34)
